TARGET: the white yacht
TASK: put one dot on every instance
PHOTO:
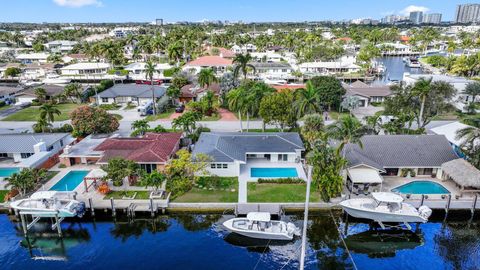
(413, 62)
(259, 225)
(49, 204)
(386, 207)
(55, 79)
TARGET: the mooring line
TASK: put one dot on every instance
(343, 241)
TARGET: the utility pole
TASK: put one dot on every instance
(305, 219)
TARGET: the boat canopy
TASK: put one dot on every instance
(52, 194)
(364, 176)
(259, 216)
(387, 197)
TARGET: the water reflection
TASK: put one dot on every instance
(252, 244)
(197, 222)
(383, 243)
(136, 228)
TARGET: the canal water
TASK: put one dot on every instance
(395, 68)
(198, 241)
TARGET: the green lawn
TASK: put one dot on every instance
(214, 117)
(4, 107)
(109, 107)
(32, 113)
(118, 116)
(222, 193)
(2, 195)
(279, 193)
(337, 115)
(163, 115)
(141, 194)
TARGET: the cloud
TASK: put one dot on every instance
(78, 3)
(406, 11)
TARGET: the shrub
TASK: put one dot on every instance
(87, 120)
(217, 182)
(66, 128)
(61, 166)
(404, 172)
(10, 195)
(2, 103)
(104, 189)
(280, 181)
(170, 72)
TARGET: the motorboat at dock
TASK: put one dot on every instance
(50, 204)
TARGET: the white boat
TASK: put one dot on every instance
(49, 204)
(259, 225)
(413, 62)
(55, 79)
(386, 207)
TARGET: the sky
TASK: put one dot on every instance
(198, 10)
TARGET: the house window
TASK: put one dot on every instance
(61, 143)
(148, 168)
(50, 148)
(225, 166)
(3, 155)
(213, 165)
(26, 155)
(219, 166)
(425, 171)
(104, 99)
(282, 157)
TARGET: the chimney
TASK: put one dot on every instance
(66, 150)
(39, 147)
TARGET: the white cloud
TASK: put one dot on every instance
(78, 3)
(406, 11)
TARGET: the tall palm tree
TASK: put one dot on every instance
(241, 62)
(48, 112)
(141, 126)
(41, 94)
(73, 90)
(422, 89)
(470, 137)
(206, 77)
(42, 125)
(236, 102)
(307, 100)
(175, 52)
(149, 72)
(347, 130)
(22, 181)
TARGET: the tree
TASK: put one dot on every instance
(187, 122)
(92, 120)
(154, 179)
(182, 172)
(48, 112)
(327, 165)
(350, 103)
(206, 77)
(22, 181)
(330, 91)
(470, 137)
(473, 90)
(422, 89)
(117, 169)
(312, 129)
(11, 72)
(347, 130)
(241, 62)
(140, 126)
(73, 90)
(227, 83)
(173, 93)
(41, 94)
(42, 125)
(307, 100)
(367, 53)
(277, 109)
(149, 72)
(38, 47)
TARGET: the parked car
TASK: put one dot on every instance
(180, 108)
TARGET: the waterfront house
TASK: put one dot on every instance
(345, 64)
(135, 93)
(84, 151)
(272, 70)
(76, 57)
(449, 130)
(136, 71)
(235, 154)
(397, 155)
(86, 70)
(28, 95)
(193, 92)
(367, 94)
(32, 150)
(60, 46)
(217, 63)
(29, 58)
(151, 152)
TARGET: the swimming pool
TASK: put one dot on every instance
(273, 172)
(421, 187)
(70, 181)
(7, 172)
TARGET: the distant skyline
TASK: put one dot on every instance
(38, 11)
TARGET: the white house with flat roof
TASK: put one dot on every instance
(60, 46)
(136, 71)
(86, 70)
(28, 58)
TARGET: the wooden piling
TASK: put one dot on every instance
(113, 207)
(92, 210)
(152, 211)
(59, 228)
(24, 224)
(423, 199)
(474, 205)
(448, 203)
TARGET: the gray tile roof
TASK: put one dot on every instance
(394, 151)
(24, 142)
(132, 90)
(230, 146)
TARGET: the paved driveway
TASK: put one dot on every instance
(363, 112)
(9, 111)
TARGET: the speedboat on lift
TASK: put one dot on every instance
(259, 225)
(385, 207)
(50, 204)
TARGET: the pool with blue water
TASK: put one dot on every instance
(7, 172)
(70, 181)
(273, 172)
(421, 187)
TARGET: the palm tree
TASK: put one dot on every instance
(41, 94)
(206, 77)
(22, 181)
(149, 71)
(473, 90)
(242, 64)
(422, 89)
(307, 100)
(236, 102)
(470, 137)
(42, 125)
(140, 125)
(73, 91)
(347, 130)
(48, 112)
(175, 52)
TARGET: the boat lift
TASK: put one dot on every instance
(36, 217)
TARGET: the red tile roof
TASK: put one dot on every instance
(151, 148)
(210, 61)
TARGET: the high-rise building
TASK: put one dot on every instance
(390, 19)
(432, 18)
(416, 17)
(159, 22)
(467, 13)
